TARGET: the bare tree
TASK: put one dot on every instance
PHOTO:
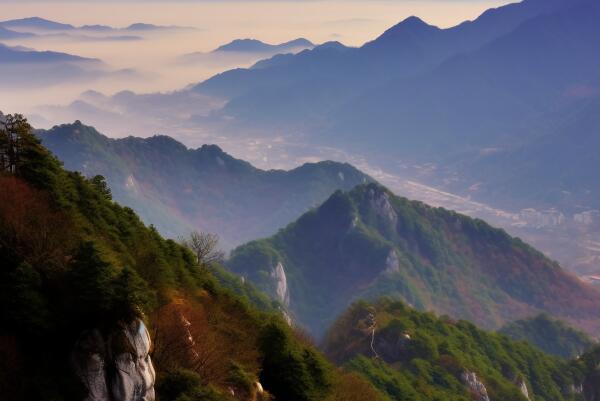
(204, 246)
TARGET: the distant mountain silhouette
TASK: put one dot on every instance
(32, 24)
(140, 26)
(408, 48)
(256, 46)
(430, 95)
(244, 52)
(22, 55)
(36, 23)
(8, 34)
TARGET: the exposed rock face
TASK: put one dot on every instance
(116, 367)
(523, 387)
(392, 262)
(380, 202)
(475, 386)
(281, 287)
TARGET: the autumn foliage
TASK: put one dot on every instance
(30, 227)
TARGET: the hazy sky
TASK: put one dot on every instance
(354, 20)
(351, 22)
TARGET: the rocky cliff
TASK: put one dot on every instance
(116, 366)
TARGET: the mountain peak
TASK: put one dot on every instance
(255, 45)
(410, 30)
(377, 243)
(412, 24)
(36, 22)
(413, 20)
(212, 149)
(299, 42)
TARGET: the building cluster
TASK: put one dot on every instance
(553, 217)
(587, 218)
(544, 218)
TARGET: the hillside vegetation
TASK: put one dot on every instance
(179, 189)
(368, 242)
(73, 262)
(417, 356)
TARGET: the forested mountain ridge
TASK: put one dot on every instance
(222, 194)
(96, 305)
(417, 356)
(368, 242)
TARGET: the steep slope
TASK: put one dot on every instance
(87, 290)
(223, 195)
(423, 357)
(550, 335)
(368, 242)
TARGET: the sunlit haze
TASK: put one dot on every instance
(216, 23)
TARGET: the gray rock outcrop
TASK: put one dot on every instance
(523, 387)
(475, 386)
(392, 262)
(380, 202)
(116, 366)
(281, 287)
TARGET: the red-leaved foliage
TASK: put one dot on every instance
(30, 228)
(204, 338)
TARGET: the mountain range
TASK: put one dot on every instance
(456, 98)
(179, 189)
(464, 100)
(257, 46)
(23, 67)
(407, 302)
(37, 24)
(23, 55)
(243, 52)
(8, 34)
(368, 243)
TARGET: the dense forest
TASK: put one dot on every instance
(417, 356)
(75, 262)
